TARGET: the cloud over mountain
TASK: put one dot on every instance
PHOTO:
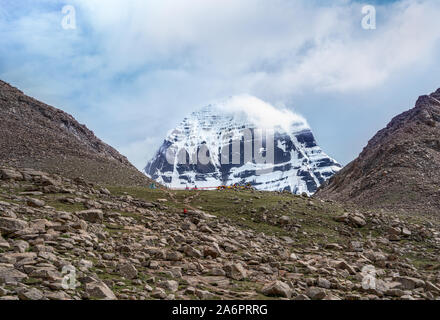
(155, 61)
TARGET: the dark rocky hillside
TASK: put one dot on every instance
(399, 168)
(35, 135)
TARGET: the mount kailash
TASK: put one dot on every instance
(299, 165)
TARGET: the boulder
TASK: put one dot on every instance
(235, 271)
(9, 174)
(315, 293)
(11, 225)
(192, 252)
(10, 274)
(409, 283)
(92, 215)
(277, 289)
(170, 285)
(128, 271)
(30, 294)
(99, 290)
(212, 251)
(36, 203)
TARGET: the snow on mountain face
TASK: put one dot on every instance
(242, 140)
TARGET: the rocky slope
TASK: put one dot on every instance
(35, 135)
(398, 169)
(136, 243)
(299, 165)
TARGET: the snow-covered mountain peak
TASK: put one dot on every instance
(242, 139)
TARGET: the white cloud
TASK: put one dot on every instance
(262, 114)
(133, 69)
(278, 47)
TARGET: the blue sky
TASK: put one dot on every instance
(131, 70)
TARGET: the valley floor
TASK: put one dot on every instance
(68, 239)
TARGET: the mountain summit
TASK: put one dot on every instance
(35, 135)
(399, 168)
(273, 149)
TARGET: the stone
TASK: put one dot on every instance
(432, 287)
(92, 215)
(11, 225)
(21, 246)
(357, 221)
(212, 251)
(315, 293)
(31, 294)
(394, 231)
(36, 203)
(3, 292)
(345, 266)
(128, 271)
(192, 252)
(406, 232)
(105, 191)
(58, 295)
(48, 273)
(8, 274)
(85, 264)
(203, 294)
(170, 285)
(7, 174)
(356, 246)
(324, 283)
(333, 246)
(293, 257)
(277, 289)
(342, 218)
(235, 271)
(285, 220)
(409, 283)
(174, 256)
(99, 290)
(159, 293)
(217, 272)
(4, 244)
(395, 293)
(9, 298)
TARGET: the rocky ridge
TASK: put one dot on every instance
(35, 135)
(398, 169)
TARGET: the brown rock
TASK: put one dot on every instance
(277, 289)
(92, 215)
(235, 271)
(99, 290)
(315, 293)
(128, 271)
(11, 225)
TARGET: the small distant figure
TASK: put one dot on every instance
(153, 186)
(185, 211)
